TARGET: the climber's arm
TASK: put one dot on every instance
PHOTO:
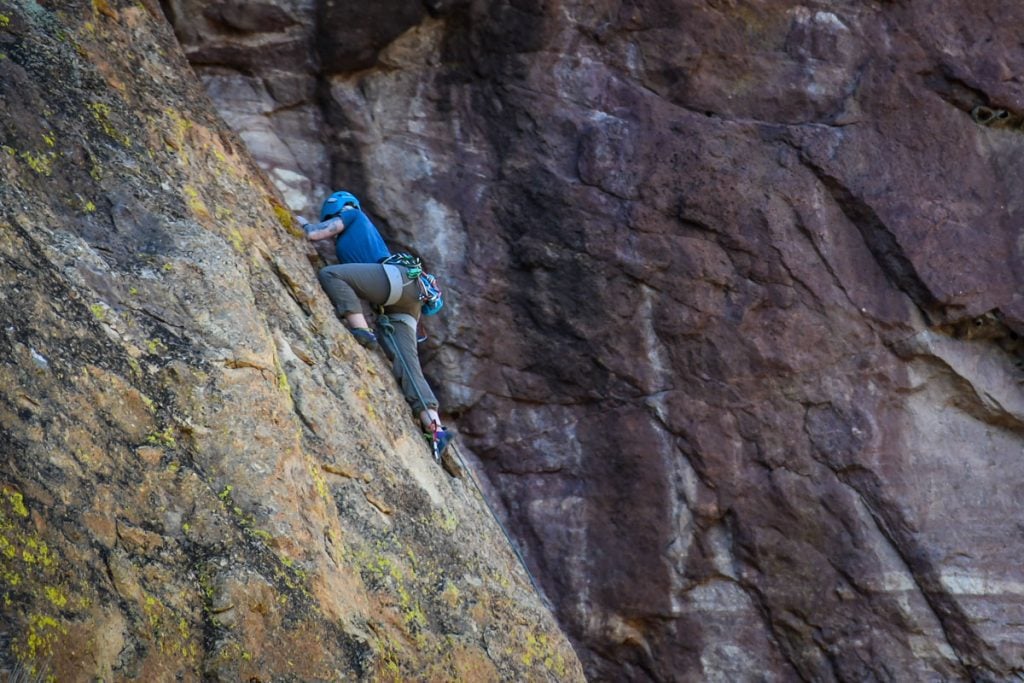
(322, 231)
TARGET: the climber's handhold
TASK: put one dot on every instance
(987, 116)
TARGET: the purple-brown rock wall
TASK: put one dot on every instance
(734, 302)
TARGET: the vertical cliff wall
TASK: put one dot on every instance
(736, 301)
(201, 476)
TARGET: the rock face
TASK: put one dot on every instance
(202, 476)
(736, 302)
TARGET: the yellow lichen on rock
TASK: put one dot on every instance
(29, 572)
(189, 492)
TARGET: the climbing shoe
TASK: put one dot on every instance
(438, 440)
(365, 337)
(443, 437)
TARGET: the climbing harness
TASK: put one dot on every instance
(395, 284)
(430, 294)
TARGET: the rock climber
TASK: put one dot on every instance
(361, 274)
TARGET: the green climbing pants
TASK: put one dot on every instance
(391, 287)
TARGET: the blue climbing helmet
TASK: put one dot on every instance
(336, 202)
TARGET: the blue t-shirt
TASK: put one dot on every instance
(360, 242)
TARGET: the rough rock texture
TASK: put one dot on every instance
(201, 476)
(736, 302)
